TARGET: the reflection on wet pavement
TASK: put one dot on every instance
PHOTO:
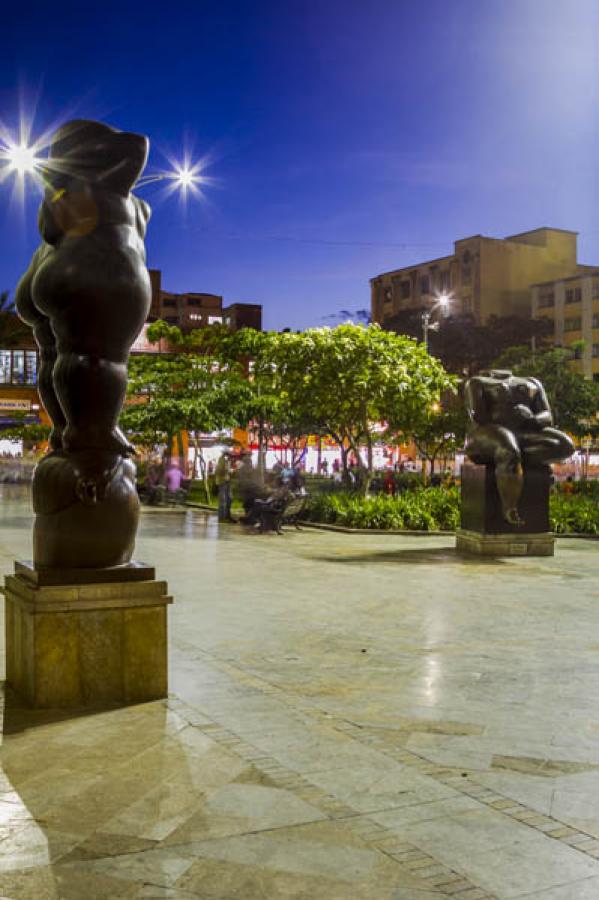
(350, 716)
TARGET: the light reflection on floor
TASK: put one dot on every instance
(351, 717)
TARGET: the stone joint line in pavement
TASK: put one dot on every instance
(452, 776)
(436, 876)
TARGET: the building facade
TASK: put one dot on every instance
(572, 305)
(197, 310)
(483, 276)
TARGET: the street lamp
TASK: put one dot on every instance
(442, 302)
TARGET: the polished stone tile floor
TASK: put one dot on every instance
(350, 717)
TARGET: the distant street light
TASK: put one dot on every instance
(443, 303)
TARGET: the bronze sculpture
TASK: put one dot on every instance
(511, 427)
(86, 295)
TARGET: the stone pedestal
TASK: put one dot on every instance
(86, 638)
(483, 529)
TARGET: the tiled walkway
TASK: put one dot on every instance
(351, 717)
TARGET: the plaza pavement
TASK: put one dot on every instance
(350, 717)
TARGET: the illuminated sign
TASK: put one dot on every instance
(8, 403)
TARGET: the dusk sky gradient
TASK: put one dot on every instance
(345, 138)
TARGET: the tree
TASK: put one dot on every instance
(182, 390)
(28, 432)
(440, 430)
(350, 379)
(465, 347)
(574, 399)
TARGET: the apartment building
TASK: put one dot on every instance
(572, 305)
(197, 310)
(484, 276)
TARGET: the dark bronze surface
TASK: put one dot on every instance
(481, 506)
(41, 577)
(86, 295)
(511, 430)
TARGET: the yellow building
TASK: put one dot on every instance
(484, 276)
(572, 304)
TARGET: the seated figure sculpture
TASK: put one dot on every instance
(86, 295)
(511, 427)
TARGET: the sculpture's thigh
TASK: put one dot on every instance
(492, 443)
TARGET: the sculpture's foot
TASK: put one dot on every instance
(79, 439)
(513, 517)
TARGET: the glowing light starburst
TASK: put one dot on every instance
(184, 177)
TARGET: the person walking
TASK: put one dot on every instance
(222, 477)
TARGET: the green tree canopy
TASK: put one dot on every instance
(465, 347)
(351, 379)
(182, 389)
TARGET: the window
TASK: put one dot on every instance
(595, 288)
(574, 323)
(405, 289)
(214, 319)
(30, 367)
(170, 302)
(171, 320)
(18, 367)
(595, 350)
(194, 301)
(574, 295)
(466, 275)
(595, 320)
(546, 298)
(196, 317)
(4, 366)
(445, 280)
(424, 285)
(388, 295)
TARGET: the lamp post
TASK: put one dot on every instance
(441, 303)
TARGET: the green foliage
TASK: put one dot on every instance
(574, 513)
(182, 390)
(465, 347)
(574, 400)
(438, 509)
(29, 433)
(440, 429)
(428, 509)
(345, 381)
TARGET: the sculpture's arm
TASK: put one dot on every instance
(475, 402)
(540, 406)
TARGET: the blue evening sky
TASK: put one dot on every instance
(346, 137)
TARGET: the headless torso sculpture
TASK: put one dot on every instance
(86, 295)
(511, 427)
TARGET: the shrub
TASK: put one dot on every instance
(438, 509)
(574, 514)
(427, 509)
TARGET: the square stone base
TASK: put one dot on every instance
(85, 645)
(484, 544)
